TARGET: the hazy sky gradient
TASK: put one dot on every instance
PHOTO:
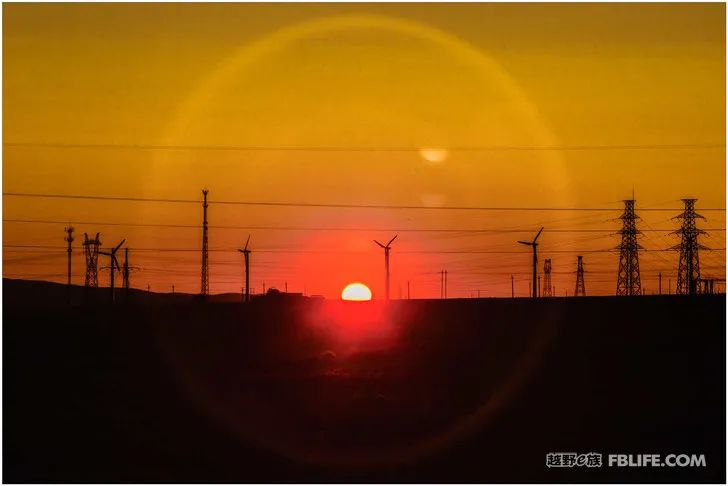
(638, 88)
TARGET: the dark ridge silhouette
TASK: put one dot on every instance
(170, 389)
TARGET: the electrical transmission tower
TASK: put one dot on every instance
(205, 278)
(91, 250)
(628, 275)
(580, 290)
(688, 273)
(69, 238)
(547, 288)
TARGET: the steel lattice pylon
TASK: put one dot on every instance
(580, 289)
(69, 239)
(205, 277)
(688, 272)
(628, 275)
(547, 288)
(91, 250)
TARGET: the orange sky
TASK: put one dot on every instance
(386, 104)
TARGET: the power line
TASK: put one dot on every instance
(285, 250)
(324, 205)
(332, 148)
(528, 273)
(325, 228)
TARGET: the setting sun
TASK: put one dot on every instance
(356, 291)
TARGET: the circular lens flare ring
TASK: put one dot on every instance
(357, 292)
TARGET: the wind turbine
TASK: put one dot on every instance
(533, 244)
(386, 247)
(246, 254)
(114, 263)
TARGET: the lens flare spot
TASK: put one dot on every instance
(434, 156)
(357, 292)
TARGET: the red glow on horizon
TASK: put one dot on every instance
(356, 325)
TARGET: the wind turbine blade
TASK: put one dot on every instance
(118, 246)
(538, 234)
(390, 241)
(115, 262)
(525, 242)
(246, 242)
(375, 241)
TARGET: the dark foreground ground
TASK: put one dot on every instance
(298, 390)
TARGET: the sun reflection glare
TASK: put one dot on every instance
(356, 292)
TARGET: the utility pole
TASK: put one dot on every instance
(442, 284)
(628, 274)
(580, 289)
(69, 238)
(513, 289)
(126, 270)
(205, 272)
(149, 288)
(659, 283)
(408, 290)
(688, 273)
(669, 286)
(446, 284)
